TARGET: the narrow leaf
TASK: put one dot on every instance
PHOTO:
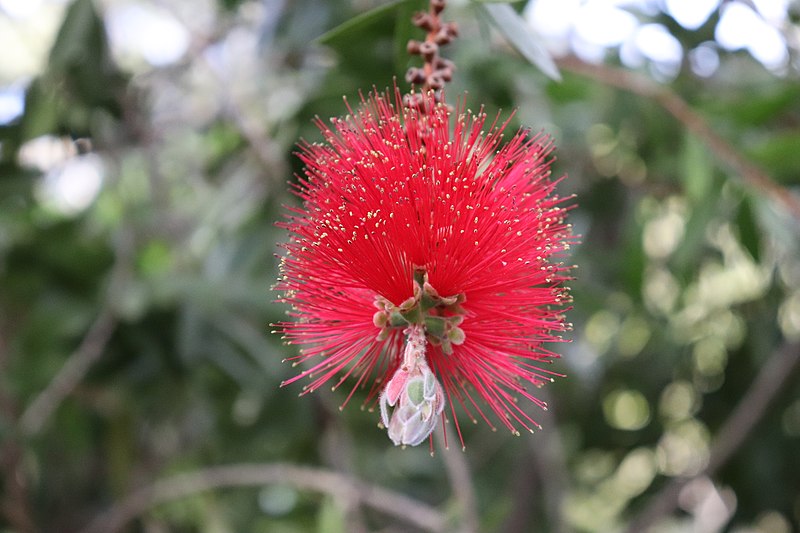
(522, 37)
(81, 25)
(749, 234)
(696, 169)
(373, 16)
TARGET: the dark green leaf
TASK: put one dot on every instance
(81, 23)
(749, 234)
(405, 31)
(378, 16)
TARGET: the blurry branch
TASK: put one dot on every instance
(693, 121)
(262, 147)
(541, 477)
(266, 151)
(336, 447)
(455, 463)
(245, 475)
(734, 431)
(91, 348)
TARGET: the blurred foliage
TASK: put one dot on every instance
(687, 282)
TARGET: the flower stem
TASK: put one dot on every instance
(415, 347)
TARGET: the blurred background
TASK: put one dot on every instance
(145, 150)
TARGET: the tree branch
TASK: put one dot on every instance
(546, 470)
(244, 475)
(774, 374)
(91, 348)
(693, 121)
(455, 464)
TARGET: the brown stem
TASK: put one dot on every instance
(455, 464)
(180, 486)
(693, 121)
(775, 373)
(14, 501)
(15, 506)
(68, 377)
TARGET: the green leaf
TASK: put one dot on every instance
(331, 517)
(378, 15)
(81, 70)
(696, 169)
(404, 31)
(780, 156)
(571, 89)
(749, 234)
(767, 102)
(79, 26)
(230, 5)
(522, 37)
(684, 259)
(41, 111)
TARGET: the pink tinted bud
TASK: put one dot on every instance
(396, 386)
(418, 400)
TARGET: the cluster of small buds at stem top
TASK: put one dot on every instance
(436, 71)
(439, 316)
(413, 393)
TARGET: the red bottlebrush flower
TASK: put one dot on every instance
(425, 248)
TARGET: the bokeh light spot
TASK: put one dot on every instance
(626, 409)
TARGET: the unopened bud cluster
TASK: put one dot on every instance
(436, 70)
(414, 395)
(439, 316)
